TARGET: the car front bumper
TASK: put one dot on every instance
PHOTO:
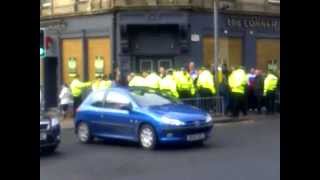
(52, 138)
(180, 134)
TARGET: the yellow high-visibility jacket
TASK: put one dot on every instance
(137, 81)
(270, 83)
(77, 86)
(206, 80)
(101, 84)
(238, 81)
(168, 84)
(184, 82)
(153, 81)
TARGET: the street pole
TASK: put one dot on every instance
(216, 37)
(216, 44)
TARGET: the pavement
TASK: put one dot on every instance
(242, 150)
(67, 123)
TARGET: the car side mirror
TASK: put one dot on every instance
(127, 107)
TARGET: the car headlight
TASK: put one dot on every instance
(209, 118)
(170, 121)
(54, 122)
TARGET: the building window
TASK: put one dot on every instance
(230, 51)
(45, 3)
(274, 2)
(268, 53)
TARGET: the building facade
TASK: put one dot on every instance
(141, 35)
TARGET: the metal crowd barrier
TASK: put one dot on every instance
(214, 105)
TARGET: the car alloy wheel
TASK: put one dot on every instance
(147, 137)
(84, 133)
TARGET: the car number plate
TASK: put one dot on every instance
(43, 136)
(195, 137)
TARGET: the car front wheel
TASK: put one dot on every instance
(83, 133)
(147, 137)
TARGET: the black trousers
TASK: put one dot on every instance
(260, 100)
(205, 99)
(238, 103)
(252, 99)
(76, 104)
(186, 94)
(270, 101)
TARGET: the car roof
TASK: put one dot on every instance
(124, 90)
(118, 89)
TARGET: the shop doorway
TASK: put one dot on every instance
(152, 64)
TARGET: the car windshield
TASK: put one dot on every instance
(142, 98)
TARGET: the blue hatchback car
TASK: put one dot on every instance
(140, 115)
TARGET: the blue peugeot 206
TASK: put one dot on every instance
(141, 115)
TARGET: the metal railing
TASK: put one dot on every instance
(214, 105)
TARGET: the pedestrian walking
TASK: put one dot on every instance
(66, 100)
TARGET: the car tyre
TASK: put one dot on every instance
(83, 133)
(147, 137)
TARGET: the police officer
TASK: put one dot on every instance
(77, 87)
(96, 84)
(168, 84)
(206, 88)
(269, 91)
(136, 81)
(185, 84)
(105, 83)
(101, 83)
(238, 82)
(152, 81)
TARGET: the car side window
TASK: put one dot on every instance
(98, 99)
(115, 100)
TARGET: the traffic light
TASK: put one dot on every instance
(42, 43)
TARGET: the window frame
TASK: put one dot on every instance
(103, 100)
(130, 100)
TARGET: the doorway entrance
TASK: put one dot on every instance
(150, 64)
